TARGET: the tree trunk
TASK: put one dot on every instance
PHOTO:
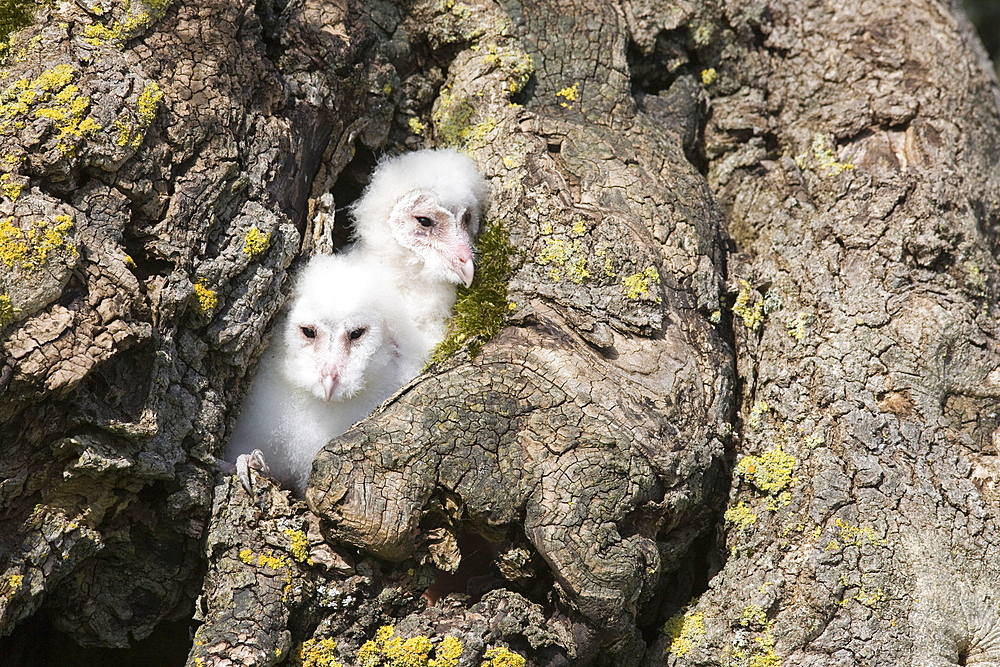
(742, 258)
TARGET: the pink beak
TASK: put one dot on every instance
(466, 270)
(329, 379)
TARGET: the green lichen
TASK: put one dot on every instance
(481, 310)
(206, 298)
(740, 515)
(14, 15)
(388, 649)
(502, 657)
(29, 247)
(453, 119)
(685, 630)
(255, 242)
(299, 545)
(137, 17)
(974, 275)
(639, 285)
(751, 314)
(315, 653)
(770, 472)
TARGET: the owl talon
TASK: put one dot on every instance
(245, 462)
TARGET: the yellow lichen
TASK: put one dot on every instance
(207, 298)
(752, 315)
(741, 515)
(502, 657)
(263, 560)
(255, 242)
(770, 472)
(638, 285)
(388, 649)
(51, 95)
(132, 133)
(514, 62)
(708, 76)
(684, 630)
(759, 652)
(28, 248)
(870, 597)
(315, 653)
(136, 19)
(15, 581)
(858, 535)
(569, 94)
(796, 325)
(299, 545)
(754, 618)
(8, 313)
(416, 126)
(10, 190)
(757, 411)
(826, 158)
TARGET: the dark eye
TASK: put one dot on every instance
(358, 333)
(308, 332)
(425, 221)
(467, 219)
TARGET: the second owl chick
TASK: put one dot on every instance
(346, 344)
(417, 219)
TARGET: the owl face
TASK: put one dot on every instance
(331, 355)
(438, 235)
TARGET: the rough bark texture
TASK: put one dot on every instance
(854, 147)
(750, 252)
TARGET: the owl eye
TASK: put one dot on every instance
(425, 221)
(358, 333)
(308, 332)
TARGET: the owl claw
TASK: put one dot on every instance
(254, 460)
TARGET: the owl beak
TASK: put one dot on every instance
(465, 269)
(329, 384)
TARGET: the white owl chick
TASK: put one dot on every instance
(345, 345)
(417, 219)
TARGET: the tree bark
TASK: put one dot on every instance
(744, 257)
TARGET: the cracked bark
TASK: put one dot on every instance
(808, 334)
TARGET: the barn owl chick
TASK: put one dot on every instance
(346, 344)
(417, 219)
